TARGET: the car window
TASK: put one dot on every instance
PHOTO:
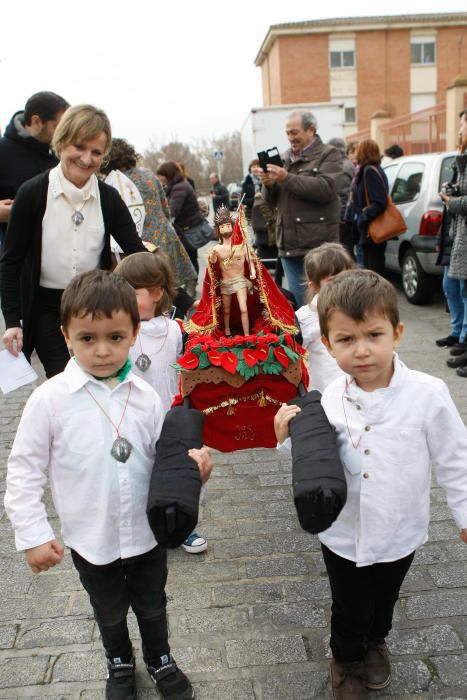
(391, 171)
(408, 182)
(446, 170)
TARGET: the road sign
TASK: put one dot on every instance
(219, 155)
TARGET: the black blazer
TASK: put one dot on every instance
(20, 264)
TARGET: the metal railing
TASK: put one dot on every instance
(420, 132)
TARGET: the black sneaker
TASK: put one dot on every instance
(458, 349)
(461, 371)
(447, 342)
(458, 361)
(120, 680)
(171, 682)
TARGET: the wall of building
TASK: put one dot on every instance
(297, 69)
(451, 56)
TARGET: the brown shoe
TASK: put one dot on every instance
(347, 681)
(376, 664)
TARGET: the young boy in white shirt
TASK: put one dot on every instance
(94, 427)
(391, 424)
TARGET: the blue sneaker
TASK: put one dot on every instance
(194, 544)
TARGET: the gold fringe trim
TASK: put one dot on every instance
(261, 397)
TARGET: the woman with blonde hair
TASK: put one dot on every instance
(60, 225)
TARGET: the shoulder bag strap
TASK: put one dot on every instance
(366, 189)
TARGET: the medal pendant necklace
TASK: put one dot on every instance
(143, 361)
(77, 216)
(121, 447)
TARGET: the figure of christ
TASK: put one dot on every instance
(231, 261)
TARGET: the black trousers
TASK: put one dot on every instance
(363, 600)
(46, 337)
(374, 256)
(137, 581)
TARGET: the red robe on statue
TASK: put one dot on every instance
(240, 381)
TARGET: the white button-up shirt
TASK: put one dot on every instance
(68, 249)
(101, 502)
(322, 367)
(387, 440)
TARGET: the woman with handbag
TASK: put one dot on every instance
(370, 198)
(184, 207)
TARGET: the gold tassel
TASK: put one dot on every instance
(231, 410)
(262, 400)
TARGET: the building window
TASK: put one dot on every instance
(342, 59)
(350, 115)
(423, 52)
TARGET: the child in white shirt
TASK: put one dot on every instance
(321, 265)
(94, 428)
(159, 342)
(392, 424)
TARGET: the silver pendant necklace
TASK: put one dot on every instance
(121, 447)
(143, 361)
(77, 217)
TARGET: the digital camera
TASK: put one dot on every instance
(451, 189)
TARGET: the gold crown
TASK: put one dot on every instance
(222, 216)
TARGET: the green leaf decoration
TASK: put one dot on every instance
(290, 353)
(204, 361)
(196, 350)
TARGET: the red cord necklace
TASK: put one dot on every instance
(121, 447)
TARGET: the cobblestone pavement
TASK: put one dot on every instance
(249, 619)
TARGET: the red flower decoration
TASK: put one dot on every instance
(229, 362)
(215, 344)
(273, 338)
(282, 356)
(262, 351)
(250, 356)
(239, 339)
(228, 342)
(189, 361)
(288, 338)
(215, 358)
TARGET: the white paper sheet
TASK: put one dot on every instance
(14, 371)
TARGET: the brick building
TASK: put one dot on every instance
(398, 64)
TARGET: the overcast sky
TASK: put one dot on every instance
(161, 70)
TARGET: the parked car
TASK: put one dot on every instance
(414, 183)
(235, 194)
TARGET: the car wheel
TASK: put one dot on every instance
(417, 285)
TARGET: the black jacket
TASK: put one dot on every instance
(370, 181)
(20, 264)
(21, 158)
(248, 194)
(220, 195)
(184, 206)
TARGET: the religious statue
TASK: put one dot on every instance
(231, 258)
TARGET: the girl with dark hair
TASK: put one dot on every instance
(369, 196)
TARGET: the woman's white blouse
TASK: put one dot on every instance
(68, 249)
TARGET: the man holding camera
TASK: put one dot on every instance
(305, 191)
